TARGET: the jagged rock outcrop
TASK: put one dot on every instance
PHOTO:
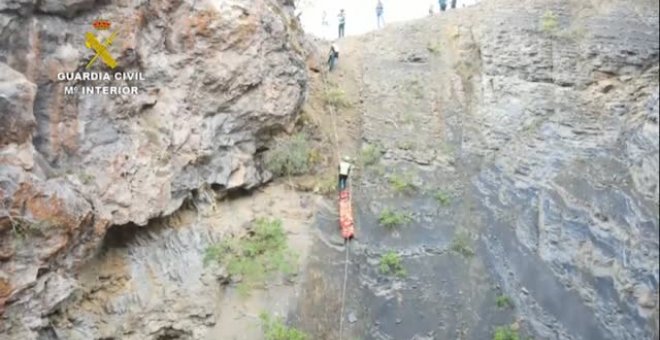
(220, 78)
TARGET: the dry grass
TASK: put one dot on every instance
(391, 219)
(370, 155)
(402, 182)
(462, 245)
(256, 257)
(291, 157)
(336, 97)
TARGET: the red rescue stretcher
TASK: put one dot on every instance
(346, 222)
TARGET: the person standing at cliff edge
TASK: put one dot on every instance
(342, 23)
(379, 14)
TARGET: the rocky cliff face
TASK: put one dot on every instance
(567, 122)
(535, 123)
(528, 129)
(220, 77)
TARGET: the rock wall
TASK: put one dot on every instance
(220, 78)
(537, 121)
(567, 121)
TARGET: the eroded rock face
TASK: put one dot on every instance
(546, 142)
(220, 77)
(567, 123)
(214, 76)
(16, 106)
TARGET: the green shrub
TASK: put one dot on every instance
(401, 182)
(461, 245)
(390, 219)
(390, 264)
(505, 333)
(275, 329)
(256, 257)
(503, 302)
(334, 96)
(290, 157)
(442, 197)
(370, 154)
(549, 22)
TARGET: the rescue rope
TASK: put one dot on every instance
(343, 291)
(334, 125)
(342, 300)
(347, 242)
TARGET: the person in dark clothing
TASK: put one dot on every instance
(443, 5)
(453, 4)
(332, 58)
(342, 23)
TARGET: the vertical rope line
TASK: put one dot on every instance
(343, 292)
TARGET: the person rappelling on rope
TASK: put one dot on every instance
(333, 57)
(345, 167)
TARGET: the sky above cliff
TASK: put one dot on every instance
(361, 14)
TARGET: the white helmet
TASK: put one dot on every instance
(346, 159)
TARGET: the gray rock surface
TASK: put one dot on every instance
(16, 101)
(220, 79)
(66, 8)
(545, 142)
(18, 6)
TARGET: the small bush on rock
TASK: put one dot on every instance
(503, 302)
(390, 264)
(442, 197)
(275, 329)
(291, 157)
(505, 333)
(549, 22)
(461, 245)
(256, 257)
(336, 97)
(402, 182)
(370, 154)
(390, 219)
